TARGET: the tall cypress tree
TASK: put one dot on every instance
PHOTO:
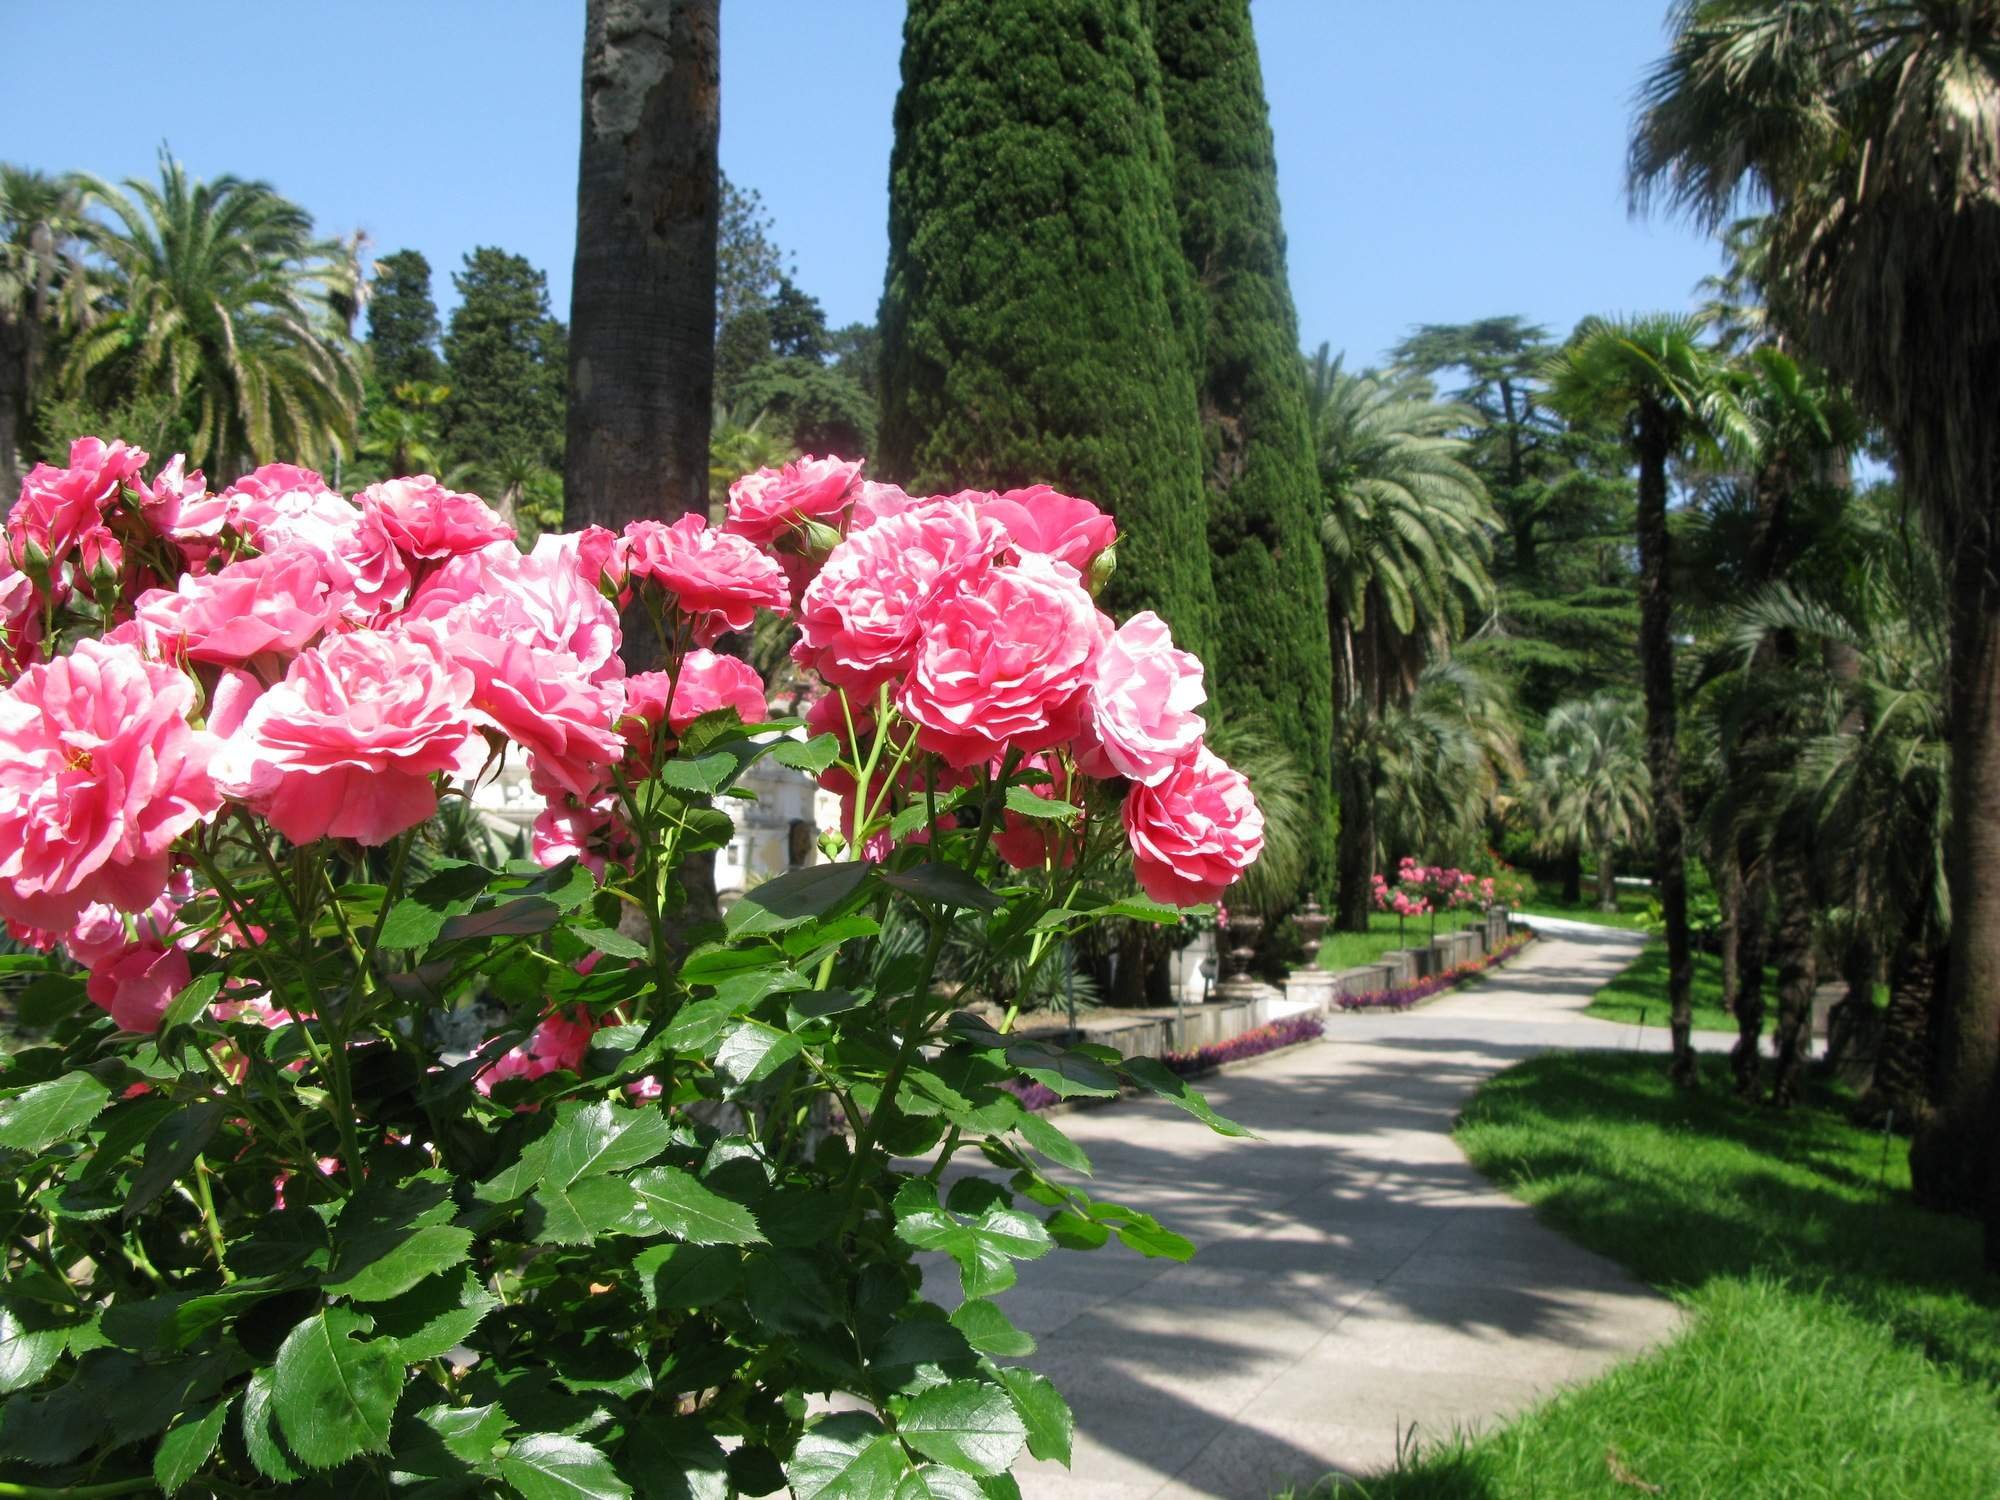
(403, 321)
(1037, 319)
(1263, 486)
(508, 363)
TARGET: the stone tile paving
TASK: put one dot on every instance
(1357, 1281)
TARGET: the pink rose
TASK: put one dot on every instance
(347, 744)
(20, 618)
(1004, 664)
(718, 580)
(172, 489)
(269, 605)
(138, 982)
(265, 484)
(1038, 519)
(765, 505)
(57, 506)
(1142, 720)
(877, 502)
(861, 618)
(588, 831)
(101, 931)
(707, 682)
(1194, 834)
(427, 521)
(545, 599)
(558, 1043)
(99, 773)
(544, 703)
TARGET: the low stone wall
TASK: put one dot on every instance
(1154, 1033)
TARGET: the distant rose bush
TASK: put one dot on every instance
(352, 1156)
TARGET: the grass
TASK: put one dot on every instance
(1631, 913)
(1347, 950)
(1641, 990)
(1842, 1341)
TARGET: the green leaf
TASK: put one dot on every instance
(396, 1268)
(608, 941)
(795, 897)
(599, 1138)
(468, 1433)
(803, 940)
(36, 1118)
(182, 1137)
(188, 1006)
(576, 1213)
(847, 1456)
(682, 1207)
(1143, 1233)
(1074, 1232)
(968, 1424)
(259, 1436)
(942, 885)
(1043, 1411)
(178, 1319)
(1144, 909)
(335, 1395)
(1149, 1073)
(714, 962)
(1069, 1074)
(986, 1328)
(549, 1466)
(26, 1354)
(1032, 805)
(811, 756)
(186, 1447)
(705, 775)
(675, 1459)
(1052, 1143)
(674, 1276)
(523, 917)
(935, 1482)
(751, 1050)
(434, 1317)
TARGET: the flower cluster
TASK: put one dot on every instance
(333, 664)
(1421, 890)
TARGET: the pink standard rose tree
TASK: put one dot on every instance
(348, 1153)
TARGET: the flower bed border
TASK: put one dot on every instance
(1215, 1057)
(1403, 997)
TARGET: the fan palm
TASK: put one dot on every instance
(1407, 529)
(1439, 760)
(1590, 788)
(1656, 377)
(1872, 129)
(227, 303)
(45, 289)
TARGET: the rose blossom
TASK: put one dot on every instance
(172, 489)
(1003, 664)
(427, 521)
(347, 744)
(1142, 701)
(718, 580)
(543, 702)
(57, 506)
(273, 604)
(874, 501)
(707, 682)
(544, 599)
(99, 774)
(558, 1043)
(137, 983)
(1194, 834)
(860, 619)
(766, 504)
(1039, 519)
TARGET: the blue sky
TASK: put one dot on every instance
(1439, 160)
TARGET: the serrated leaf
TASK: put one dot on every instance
(675, 1459)
(36, 1118)
(936, 1482)
(682, 1207)
(1145, 909)
(704, 775)
(186, 1447)
(674, 1276)
(335, 1395)
(599, 1138)
(1151, 1074)
(968, 1424)
(986, 1329)
(1069, 1074)
(390, 1270)
(752, 1050)
(795, 897)
(1051, 1142)
(1032, 805)
(1074, 1232)
(811, 756)
(26, 1354)
(576, 1213)
(846, 1457)
(468, 1433)
(610, 942)
(260, 1436)
(433, 1317)
(524, 916)
(549, 1466)
(182, 1137)
(1043, 1412)
(942, 885)
(188, 1005)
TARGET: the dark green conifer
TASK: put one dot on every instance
(1037, 319)
(1263, 486)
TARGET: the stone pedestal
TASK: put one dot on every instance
(1314, 987)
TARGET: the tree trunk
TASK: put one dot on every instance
(1792, 948)
(1607, 880)
(10, 439)
(1853, 1023)
(1356, 848)
(1656, 664)
(1729, 896)
(1956, 1162)
(1745, 1058)
(642, 305)
(1573, 876)
(1899, 1090)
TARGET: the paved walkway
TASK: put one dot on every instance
(1357, 1281)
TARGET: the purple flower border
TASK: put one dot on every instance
(1286, 1033)
(1402, 997)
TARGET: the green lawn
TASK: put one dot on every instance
(1641, 993)
(1632, 903)
(1345, 950)
(1842, 1343)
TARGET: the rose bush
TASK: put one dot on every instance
(271, 1221)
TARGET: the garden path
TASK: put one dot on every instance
(1357, 1282)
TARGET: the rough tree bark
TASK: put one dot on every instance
(1792, 950)
(1752, 945)
(642, 306)
(1607, 879)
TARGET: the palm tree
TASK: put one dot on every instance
(1590, 788)
(403, 434)
(1440, 759)
(45, 288)
(1655, 376)
(224, 301)
(1407, 529)
(1872, 128)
